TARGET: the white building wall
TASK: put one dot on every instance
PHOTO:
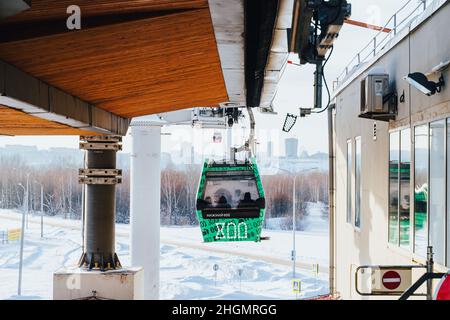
(421, 50)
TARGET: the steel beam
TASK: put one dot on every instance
(21, 91)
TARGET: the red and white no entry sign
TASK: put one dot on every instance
(391, 280)
(443, 289)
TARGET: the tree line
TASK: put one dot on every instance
(62, 195)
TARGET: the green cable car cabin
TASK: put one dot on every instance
(230, 201)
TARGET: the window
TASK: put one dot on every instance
(394, 160)
(399, 188)
(430, 222)
(349, 181)
(437, 190)
(230, 193)
(358, 184)
(405, 183)
(421, 190)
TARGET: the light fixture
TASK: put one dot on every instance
(420, 82)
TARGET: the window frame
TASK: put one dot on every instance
(401, 142)
(411, 207)
(429, 216)
(396, 245)
(358, 140)
(417, 255)
(349, 183)
(411, 250)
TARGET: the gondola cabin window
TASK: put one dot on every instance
(230, 193)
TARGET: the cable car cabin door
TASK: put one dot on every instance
(230, 202)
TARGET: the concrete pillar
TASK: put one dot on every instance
(145, 200)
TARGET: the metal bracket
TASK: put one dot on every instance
(100, 176)
(102, 138)
(100, 172)
(100, 180)
(100, 146)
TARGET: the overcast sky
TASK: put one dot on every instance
(295, 90)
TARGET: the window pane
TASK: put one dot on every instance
(437, 189)
(421, 190)
(230, 193)
(405, 178)
(394, 159)
(349, 181)
(358, 185)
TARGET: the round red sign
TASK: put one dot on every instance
(391, 280)
(443, 291)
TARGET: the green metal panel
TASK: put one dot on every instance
(231, 229)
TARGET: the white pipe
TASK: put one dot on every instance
(145, 181)
(294, 253)
(331, 204)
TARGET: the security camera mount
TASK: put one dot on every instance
(440, 84)
(304, 112)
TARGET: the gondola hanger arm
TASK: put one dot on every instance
(249, 145)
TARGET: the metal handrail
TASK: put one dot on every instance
(375, 43)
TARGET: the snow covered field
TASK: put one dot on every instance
(186, 262)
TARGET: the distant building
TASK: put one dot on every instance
(291, 148)
(166, 160)
(269, 149)
(186, 155)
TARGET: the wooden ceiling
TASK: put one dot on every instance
(25, 124)
(42, 10)
(138, 65)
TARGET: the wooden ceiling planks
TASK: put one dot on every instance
(133, 68)
(25, 124)
(55, 9)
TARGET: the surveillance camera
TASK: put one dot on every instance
(420, 82)
(304, 112)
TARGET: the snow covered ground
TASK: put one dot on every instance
(186, 262)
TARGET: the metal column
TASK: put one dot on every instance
(318, 84)
(100, 178)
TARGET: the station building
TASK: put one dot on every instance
(392, 194)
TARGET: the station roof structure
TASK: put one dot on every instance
(131, 58)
